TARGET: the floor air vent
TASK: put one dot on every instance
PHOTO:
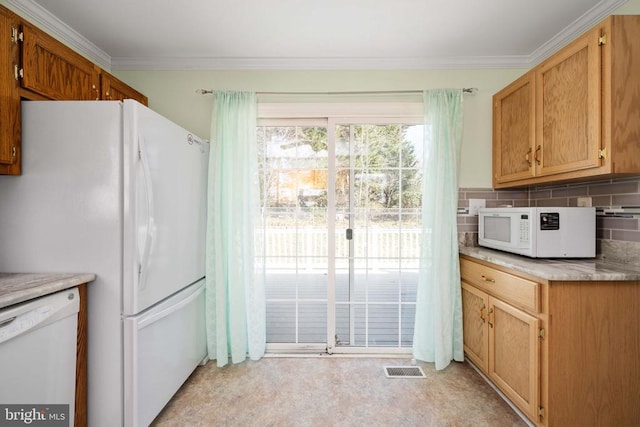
(404, 372)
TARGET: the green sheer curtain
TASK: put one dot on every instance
(438, 328)
(235, 309)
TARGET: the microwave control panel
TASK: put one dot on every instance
(524, 228)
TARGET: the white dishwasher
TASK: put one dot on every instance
(38, 353)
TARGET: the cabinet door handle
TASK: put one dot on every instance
(18, 73)
(482, 314)
(488, 279)
(536, 155)
(526, 157)
(490, 321)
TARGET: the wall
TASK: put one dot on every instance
(618, 236)
(632, 7)
(173, 94)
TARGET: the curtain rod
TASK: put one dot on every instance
(375, 92)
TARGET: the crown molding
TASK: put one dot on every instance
(592, 17)
(317, 63)
(52, 25)
(43, 19)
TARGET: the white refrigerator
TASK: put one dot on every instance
(115, 189)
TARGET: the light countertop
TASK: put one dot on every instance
(19, 287)
(558, 268)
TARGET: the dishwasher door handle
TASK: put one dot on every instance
(7, 322)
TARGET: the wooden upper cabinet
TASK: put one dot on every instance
(35, 66)
(113, 89)
(585, 111)
(514, 131)
(9, 94)
(55, 71)
(621, 94)
(568, 103)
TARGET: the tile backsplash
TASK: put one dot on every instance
(618, 237)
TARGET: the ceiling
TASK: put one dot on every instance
(316, 34)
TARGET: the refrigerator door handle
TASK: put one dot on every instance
(155, 316)
(143, 164)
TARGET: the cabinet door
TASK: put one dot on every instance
(116, 90)
(514, 131)
(514, 355)
(54, 70)
(475, 305)
(568, 112)
(9, 95)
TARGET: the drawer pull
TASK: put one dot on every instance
(487, 279)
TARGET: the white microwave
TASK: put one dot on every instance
(539, 232)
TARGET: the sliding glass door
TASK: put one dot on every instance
(293, 181)
(341, 204)
(378, 197)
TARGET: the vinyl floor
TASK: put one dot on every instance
(334, 391)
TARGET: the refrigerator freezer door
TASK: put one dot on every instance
(162, 348)
(169, 173)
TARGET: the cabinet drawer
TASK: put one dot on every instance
(516, 290)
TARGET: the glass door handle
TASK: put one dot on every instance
(349, 234)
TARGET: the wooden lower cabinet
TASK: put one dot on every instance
(574, 361)
(513, 355)
(502, 341)
(475, 305)
(593, 347)
(80, 415)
